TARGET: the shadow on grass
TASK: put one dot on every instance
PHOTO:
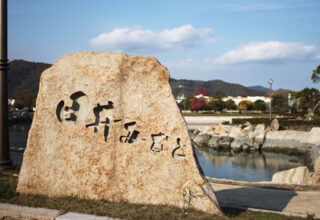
(123, 210)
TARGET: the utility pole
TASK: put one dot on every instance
(5, 162)
(270, 82)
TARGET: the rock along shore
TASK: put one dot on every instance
(250, 138)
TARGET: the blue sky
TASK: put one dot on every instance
(238, 41)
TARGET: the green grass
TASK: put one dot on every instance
(258, 115)
(124, 210)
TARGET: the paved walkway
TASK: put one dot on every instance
(299, 202)
(194, 122)
(8, 211)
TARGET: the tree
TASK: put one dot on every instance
(216, 105)
(29, 101)
(259, 105)
(308, 98)
(198, 104)
(230, 105)
(218, 95)
(316, 75)
(187, 103)
(200, 91)
(245, 105)
(279, 103)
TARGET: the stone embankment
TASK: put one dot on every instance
(258, 138)
(249, 138)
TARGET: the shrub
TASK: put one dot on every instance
(6, 191)
(284, 122)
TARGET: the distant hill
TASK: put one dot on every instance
(259, 88)
(229, 89)
(24, 77)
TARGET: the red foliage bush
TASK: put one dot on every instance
(198, 104)
(199, 91)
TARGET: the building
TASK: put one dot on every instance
(239, 99)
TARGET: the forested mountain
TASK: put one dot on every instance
(259, 88)
(24, 77)
(229, 89)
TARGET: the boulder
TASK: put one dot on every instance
(260, 137)
(201, 139)
(260, 127)
(257, 137)
(274, 125)
(314, 179)
(225, 142)
(247, 129)
(256, 146)
(235, 132)
(317, 166)
(220, 130)
(107, 127)
(314, 136)
(194, 134)
(236, 145)
(247, 124)
(287, 141)
(205, 130)
(314, 153)
(214, 142)
(299, 175)
(245, 148)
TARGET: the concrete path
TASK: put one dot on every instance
(194, 122)
(289, 202)
(8, 211)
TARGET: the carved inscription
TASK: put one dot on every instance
(176, 154)
(69, 113)
(131, 135)
(96, 111)
(157, 144)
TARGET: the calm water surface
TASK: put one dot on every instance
(18, 134)
(250, 167)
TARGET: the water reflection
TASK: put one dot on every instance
(18, 134)
(250, 167)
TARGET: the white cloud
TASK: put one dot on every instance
(137, 39)
(271, 51)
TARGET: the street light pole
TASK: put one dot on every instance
(5, 162)
(270, 82)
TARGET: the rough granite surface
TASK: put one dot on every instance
(107, 126)
(299, 175)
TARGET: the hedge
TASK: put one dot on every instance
(282, 121)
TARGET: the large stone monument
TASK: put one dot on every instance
(107, 126)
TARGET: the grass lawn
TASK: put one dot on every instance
(256, 115)
(9, 179)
